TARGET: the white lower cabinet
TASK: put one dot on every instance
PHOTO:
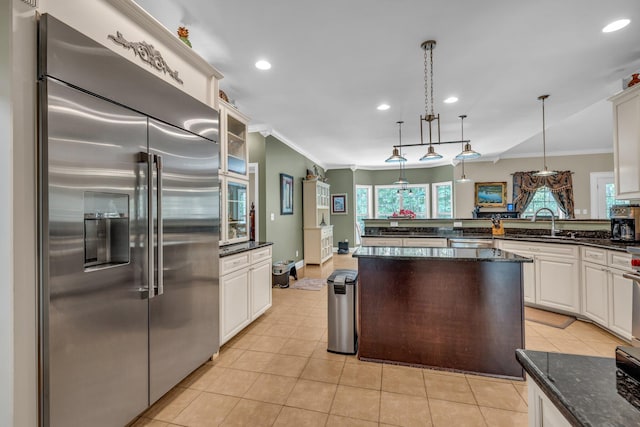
(542, 412)
(245, 290)
(558, 284)
(382, 241)
(606, 294)
(553, 280)
(424, 243)
(260, 281)
(235, 312)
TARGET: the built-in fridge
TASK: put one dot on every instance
(129, 230)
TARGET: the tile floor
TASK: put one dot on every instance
(278, 372)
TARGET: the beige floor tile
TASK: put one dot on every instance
(444, 372)
(243, 342)
(446, 414)
(268, 344)
(296, 417)
(588, 332)
(280, 330)
(196, 376)
(328, 371)
(227, 356)
(171, 404)
(315, 322)
(292, 319)
(356, 402)
(539, 344)
(252, 413)
(404, 380)
(296, 347)
(497, 395)
(338, 421)
(321, 353)
(255, 361)
(148, 422)
(531, 331)
(603, 349)
(312, 395)
(404, 410)
(308, 333)
(208, 409)
(501, 418)
(207, 376)
(271, 389)
(362, 375)
(288, 366)
(522, 390)
(232, 382)
(573, 346)
(258, 328)
(448, 387)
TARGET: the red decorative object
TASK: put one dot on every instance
(635, 78)
(404, 213)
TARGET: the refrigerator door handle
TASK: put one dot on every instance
(160, 260)
(149, 160)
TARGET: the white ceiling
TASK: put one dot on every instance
(334, 61)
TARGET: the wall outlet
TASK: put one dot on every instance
(296, 254)
(273, 216)
(393, 223)
(457, 223)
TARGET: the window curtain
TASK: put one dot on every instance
(525, 185)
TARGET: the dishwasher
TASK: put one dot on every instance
(470, 243)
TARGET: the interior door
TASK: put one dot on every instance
(94, 315)
(183, 316)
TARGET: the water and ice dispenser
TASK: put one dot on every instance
(106, 229)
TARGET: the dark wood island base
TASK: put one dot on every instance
(453, 309)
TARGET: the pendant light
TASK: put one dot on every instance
(402, 179)
(545, 170)
(463, 178)
(429, 115)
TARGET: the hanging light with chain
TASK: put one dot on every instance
(429, 115)
(402, 179)
(463, 178)
(545, 170)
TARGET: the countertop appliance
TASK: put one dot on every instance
(625, 222)
(129, 230)
(635, 310)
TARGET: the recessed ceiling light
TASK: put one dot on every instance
(616, 25)
(451, 100)
(383, 107)
(263, 65)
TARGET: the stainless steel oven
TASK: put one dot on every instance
(635, 313)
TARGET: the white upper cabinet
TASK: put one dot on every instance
(626, 142)
(234, 151)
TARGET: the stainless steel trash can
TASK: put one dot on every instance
(343, 312)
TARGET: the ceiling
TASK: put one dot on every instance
(334, 62)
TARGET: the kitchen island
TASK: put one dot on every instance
(450, 308)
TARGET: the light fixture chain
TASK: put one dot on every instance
(431, 77)
(426, 85)
(544, 142)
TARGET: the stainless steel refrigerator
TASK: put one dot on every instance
(129, 230)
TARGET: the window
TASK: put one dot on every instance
(542, 199)
(603, 195)
(363, 208)
(390, 199)
(442, 200)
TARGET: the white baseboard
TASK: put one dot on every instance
(299, 264)
(351, 249)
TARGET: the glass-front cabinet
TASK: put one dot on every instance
(235, 212)
(235, 152)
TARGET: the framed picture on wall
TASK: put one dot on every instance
(286, 194)
(339, 204)
(491, 194)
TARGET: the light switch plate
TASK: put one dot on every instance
(273, 216)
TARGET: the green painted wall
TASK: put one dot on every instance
(257, 154)
(342, 181)
(285, 231)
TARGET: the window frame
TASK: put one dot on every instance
(370, 211)
(434, 198)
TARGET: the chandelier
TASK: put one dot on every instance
(430, 116)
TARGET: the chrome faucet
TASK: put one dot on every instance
(553, 219)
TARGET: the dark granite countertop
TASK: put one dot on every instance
(448, 254)
(582, 387)
(236, 248)
(564, 240)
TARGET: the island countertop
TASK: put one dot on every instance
(443, 254)
(583, 388)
